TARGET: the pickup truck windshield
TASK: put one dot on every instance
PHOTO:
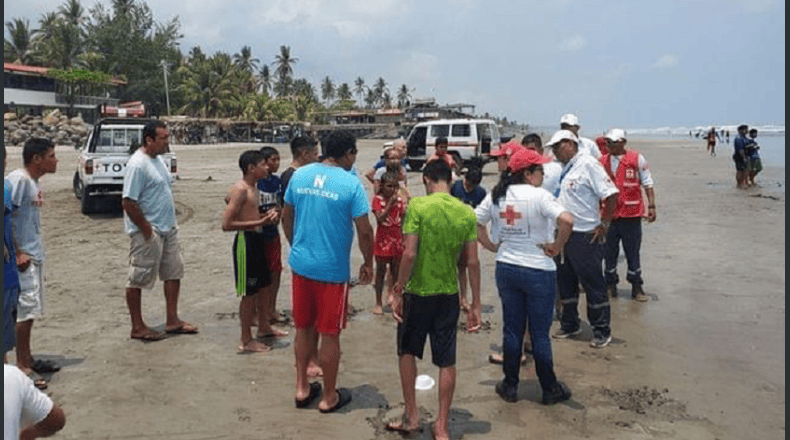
(118, 139)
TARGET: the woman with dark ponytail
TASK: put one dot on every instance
(524, 216)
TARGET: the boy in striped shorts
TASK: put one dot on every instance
(251, 273)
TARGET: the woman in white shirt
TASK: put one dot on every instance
(524, 217)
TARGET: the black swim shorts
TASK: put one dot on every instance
(435, 315)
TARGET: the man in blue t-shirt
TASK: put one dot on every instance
(741, 161)
(468, 189)
(323, 203)
(10, 275)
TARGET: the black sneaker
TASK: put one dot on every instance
(565, 334)
(508, 394)
(611, 290)
(560, 393)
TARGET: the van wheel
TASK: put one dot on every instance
(87, 201)
(77, 184)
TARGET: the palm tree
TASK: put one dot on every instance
(46, 24)
(380, 89)
(265, 80)
(403, 95)
(210, 88)
(196, 55)
(73, 12)
(344, 92)
(359, 88)
(370, 98)
(284, 62)
(386, 100)
(245, 61)
(327, 90)
(20, 48)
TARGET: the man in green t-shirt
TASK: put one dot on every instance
(440, 238)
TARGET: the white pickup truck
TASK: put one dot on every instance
(101, 163)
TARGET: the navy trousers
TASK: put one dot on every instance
(582, 263)
(629, 232)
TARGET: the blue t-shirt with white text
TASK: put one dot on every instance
(271, 196)
(326, 200)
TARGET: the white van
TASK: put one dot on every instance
(470, 140)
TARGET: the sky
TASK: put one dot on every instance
(612, 63)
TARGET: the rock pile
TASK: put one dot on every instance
(55, 126)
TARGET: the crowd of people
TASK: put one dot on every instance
(553, 219)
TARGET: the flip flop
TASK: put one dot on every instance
(42, 366)
(343, 399)
(184, 328)
(38, 382)
(315, 389)
(273, 334)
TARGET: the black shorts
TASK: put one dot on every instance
(250, 270)
(740, 164)
(435, 315)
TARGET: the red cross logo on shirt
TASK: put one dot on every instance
(510, 214)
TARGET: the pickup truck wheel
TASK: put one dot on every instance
(77, 185)
(87, 201)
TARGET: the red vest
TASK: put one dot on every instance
(629, 200)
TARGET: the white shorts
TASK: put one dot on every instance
(31, 293)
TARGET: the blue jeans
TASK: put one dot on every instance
(629, 230)
(527, 293)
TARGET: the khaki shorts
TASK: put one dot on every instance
(162, 253)
(31, 293)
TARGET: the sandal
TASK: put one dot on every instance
(41, 366)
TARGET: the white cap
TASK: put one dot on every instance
(569, 119)
(615, 135)
(562, 135)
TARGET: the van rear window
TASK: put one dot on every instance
(440, 130)
(461, 130)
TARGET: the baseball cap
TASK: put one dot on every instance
(507, 149)
(569, 119)
(615, 135)
(560, 136)
(524, 158)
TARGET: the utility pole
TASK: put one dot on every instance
(167, 92)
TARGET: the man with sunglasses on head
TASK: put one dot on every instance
(630, 173)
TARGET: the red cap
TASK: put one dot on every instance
(524, 159)
(508, 149)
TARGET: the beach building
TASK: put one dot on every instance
(28, 89)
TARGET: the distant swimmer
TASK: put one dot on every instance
(711, 137)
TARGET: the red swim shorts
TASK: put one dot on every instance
(273, 251)
(319, 304)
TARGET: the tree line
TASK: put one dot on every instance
(124, 41)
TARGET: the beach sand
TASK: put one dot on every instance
(705, 359)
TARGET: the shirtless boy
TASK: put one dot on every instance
(251, 273)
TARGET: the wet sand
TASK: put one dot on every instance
(705, 359)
